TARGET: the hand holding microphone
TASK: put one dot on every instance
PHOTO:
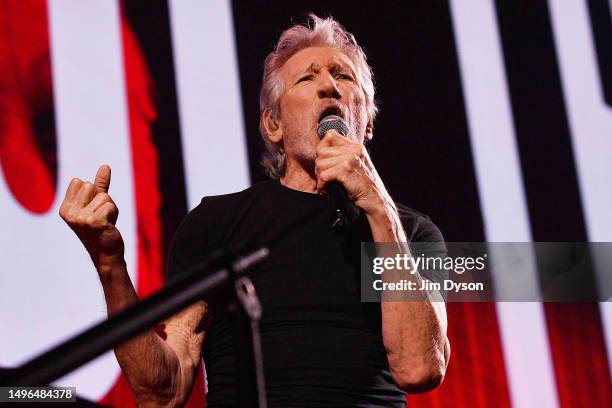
(345, 171)
(338, 199)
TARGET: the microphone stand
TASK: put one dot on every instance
(209, 279)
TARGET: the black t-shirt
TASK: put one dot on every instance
(322, 346)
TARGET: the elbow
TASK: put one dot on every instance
(424, 378)
(154, 397)
(161, 391)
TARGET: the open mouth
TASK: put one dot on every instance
(331, 110)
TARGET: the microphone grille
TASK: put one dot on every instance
(332, 122)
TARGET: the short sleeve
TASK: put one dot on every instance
(192, 241)
(426, 242)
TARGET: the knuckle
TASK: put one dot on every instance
(67, 216)
(318, 166)
(348, 165)
(85, 187)
(79, 219)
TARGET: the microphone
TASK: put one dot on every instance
(340, 209)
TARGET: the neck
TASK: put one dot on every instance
(298, 178)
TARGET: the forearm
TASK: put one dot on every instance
(414, 332)
(148, 362)
(416, 345)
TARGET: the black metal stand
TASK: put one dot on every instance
(247, 344)
(209, 279)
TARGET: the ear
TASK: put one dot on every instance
(273, 126)
(369, 133)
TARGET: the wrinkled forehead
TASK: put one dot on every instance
(313, 59)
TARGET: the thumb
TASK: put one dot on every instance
(103, 178)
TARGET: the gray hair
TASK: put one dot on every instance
(317, 32)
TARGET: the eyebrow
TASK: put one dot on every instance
(311, 68)
(335, 66)
(339, 66)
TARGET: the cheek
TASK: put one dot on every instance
(299, 97)
(359, 112)
(356, 100)
(297, 107)
(360, 101)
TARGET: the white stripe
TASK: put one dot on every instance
(210, 108)
(522, 325)
(590, 121)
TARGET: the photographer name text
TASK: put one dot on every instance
(407, 285)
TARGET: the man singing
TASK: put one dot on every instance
(322, 346)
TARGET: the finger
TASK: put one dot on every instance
(333, 138)
(85, 194)
(330, 151)
(73, 189)
(326, 177)
(322, 164)
(103, 178)
(108, 211)
(98, 201)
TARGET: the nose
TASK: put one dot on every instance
(327, 87)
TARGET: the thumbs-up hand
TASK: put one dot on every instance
(91, 213)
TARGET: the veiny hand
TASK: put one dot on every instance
(340, 159)
(91, 213)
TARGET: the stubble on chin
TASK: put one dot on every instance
(306, 158)
(302, 148)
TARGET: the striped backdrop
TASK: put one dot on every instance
(495, 120)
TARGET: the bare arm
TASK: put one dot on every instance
(414, 332)
(160, 371)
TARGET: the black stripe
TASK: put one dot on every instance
(149, 20)
(601, 24)
(541, 124)
(541, 121)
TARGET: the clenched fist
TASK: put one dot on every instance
(91, 214)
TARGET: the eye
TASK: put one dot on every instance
(305, 78)
(346, 77)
